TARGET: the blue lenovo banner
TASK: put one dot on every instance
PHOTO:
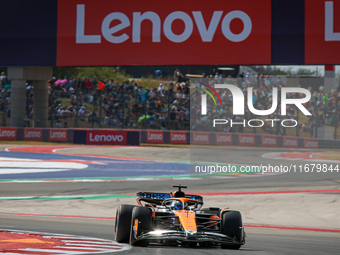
(106, 137)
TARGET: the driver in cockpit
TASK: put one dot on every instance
(176, 205)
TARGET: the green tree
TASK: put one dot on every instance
(304, 71)
(61, 72)
(83, 72)
(272, 70)
(3, 69)
(103, 72)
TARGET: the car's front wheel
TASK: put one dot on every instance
(141, 223)
(231, 225)
(123, 223)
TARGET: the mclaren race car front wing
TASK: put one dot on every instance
(188, 236)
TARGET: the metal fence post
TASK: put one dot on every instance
(4, 119)
(52, 106)
(316, 121)
(77, 107)
(277, 124)
(123, 108)
(100, 109)
(169, 91)
(146, 111)
(336, 118)
(211, 114)
(297, 119)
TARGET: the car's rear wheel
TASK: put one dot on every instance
(141, 223)
(123, 223)
(231, 225)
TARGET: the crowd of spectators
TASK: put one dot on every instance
(127, 104)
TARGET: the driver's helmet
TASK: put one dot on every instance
(176, 205)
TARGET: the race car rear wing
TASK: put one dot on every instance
(158, 198)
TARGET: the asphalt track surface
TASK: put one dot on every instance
(259, 240)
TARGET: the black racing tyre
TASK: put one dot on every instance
(141, 222)
(123, 223)
(231, 225)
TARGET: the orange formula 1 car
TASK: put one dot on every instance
(177, 218)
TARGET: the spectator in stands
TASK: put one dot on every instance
(179, 88)
(160, 89)
(88, 84)
(3, 80)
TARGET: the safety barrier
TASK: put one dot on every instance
(206, 138)
(77, 136)
(135, 137)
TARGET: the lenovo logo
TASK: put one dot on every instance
(311, 143)
(7, 133)
(247, 139)
(178, 137)
(201, 138)
(290, 142)
(223, 138)
(268, 141)
(57, 134)
(153, 136)
(206, 28)
(112, 29)
(32, 134)
(106, 138)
